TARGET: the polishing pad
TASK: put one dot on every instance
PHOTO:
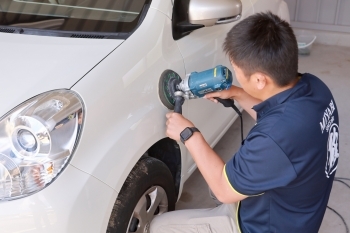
(167, 87)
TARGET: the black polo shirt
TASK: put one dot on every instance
(288, 160)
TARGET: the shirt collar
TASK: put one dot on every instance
(302, 88)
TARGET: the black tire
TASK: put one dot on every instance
(149, 180)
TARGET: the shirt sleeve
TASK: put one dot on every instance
(259, 165)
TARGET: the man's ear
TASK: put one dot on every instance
(259, 80)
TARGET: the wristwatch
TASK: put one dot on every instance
(187, 133)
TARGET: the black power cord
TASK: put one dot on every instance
(341, 217)
(231, 103)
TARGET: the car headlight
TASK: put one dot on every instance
(37, 139)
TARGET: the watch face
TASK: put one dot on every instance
(186, 134)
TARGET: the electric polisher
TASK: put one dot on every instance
(173, 91)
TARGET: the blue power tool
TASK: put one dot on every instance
(173, 91)
(197, 84)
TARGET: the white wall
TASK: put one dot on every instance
(329, 20)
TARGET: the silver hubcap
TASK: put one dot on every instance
(153, 202)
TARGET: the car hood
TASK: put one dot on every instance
(31, 65)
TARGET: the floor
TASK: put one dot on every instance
(332, 65)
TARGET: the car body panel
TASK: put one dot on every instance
(75, 202)
(130, 85)
(280, 7)
(163, 6)
(267, 5)
(45, 63)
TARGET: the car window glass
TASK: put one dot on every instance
(73, 15)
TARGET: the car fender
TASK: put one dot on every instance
(124, 115)
(283, 11)
(278, 7)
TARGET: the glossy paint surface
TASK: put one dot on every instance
(124, 116)
(31, 65)
(75, 202)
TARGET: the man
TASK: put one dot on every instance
(282, 175)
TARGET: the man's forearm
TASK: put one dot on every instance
(245, 100)
(211, 167)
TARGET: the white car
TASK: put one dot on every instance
(82, 133)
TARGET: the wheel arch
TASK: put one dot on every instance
(168, 151)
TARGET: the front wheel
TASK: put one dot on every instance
(148, 191)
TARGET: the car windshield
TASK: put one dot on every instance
(108, 16)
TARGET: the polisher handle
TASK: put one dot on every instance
(229, 103)
(179, 101)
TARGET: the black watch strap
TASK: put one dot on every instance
(187, 133)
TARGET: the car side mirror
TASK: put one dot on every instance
(190, 15)
(209, 12)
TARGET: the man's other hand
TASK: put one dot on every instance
(224, 94)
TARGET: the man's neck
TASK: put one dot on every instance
(273, 89)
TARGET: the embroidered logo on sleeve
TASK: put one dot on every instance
(333, 150)
(328, 118)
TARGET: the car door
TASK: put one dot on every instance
(278, 7)
(202, 50)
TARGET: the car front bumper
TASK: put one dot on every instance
(75, 202)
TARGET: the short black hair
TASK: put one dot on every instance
(265, 43)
